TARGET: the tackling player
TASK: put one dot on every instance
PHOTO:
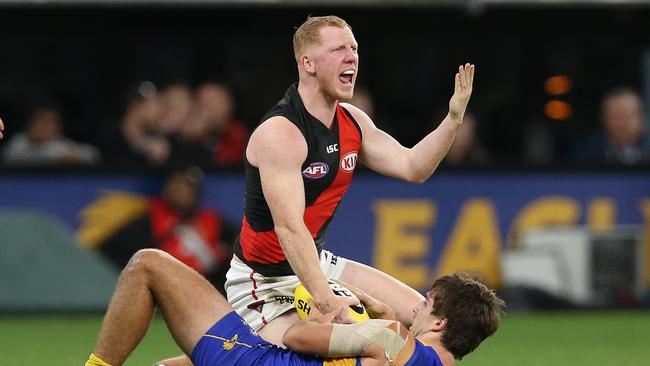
(457, 314)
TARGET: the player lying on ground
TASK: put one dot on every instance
(456, 316)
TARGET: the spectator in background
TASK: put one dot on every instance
(466, 148)
(43, 142)
(177, 104)
(214, 127)
(172, 221)
(153, 123)
(139, 126)
(623, 140)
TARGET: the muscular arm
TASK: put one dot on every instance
(383, 154)
(278, 149)
(374, 339)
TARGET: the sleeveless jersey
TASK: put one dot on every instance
(326, 173)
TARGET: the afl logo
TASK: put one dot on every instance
(316, 170)
(349, 161)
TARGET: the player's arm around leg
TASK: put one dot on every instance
(376, 341)
(189, 304)
(385, 288)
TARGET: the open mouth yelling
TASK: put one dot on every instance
(346, 77)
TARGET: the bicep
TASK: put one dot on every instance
(279, 166)
(379, 150)
(383, 154)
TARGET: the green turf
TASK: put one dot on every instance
(557, 339)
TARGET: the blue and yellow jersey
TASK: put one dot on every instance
(423, 355)
(232, 342)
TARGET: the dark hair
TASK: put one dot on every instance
(472, 310)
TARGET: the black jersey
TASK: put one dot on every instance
(326, 173)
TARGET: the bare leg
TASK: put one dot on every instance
(272, 332)
(275, 329)
(384, 288)
(176, 361)
(189, 304)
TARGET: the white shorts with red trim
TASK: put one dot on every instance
(259, 299)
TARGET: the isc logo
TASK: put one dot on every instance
(316, 170)
(332, 148)
(349, 161)
(304, 306)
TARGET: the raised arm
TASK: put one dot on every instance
(278, 149)
(383, 154)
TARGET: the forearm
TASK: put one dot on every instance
(308, 336)
(299, 248)
(424, 158)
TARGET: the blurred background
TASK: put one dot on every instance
(126, 121)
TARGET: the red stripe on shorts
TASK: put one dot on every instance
(254, 285)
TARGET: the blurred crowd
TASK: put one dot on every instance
(178, 125)
(174, 126)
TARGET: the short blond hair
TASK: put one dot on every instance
(308, 35)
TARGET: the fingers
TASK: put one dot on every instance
(464, 78)
(362, 296)
(2, 128)
(344, 317)
(471, 75)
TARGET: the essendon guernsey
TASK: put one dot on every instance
(326, 173)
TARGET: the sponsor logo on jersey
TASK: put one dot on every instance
(349, 161)
(316, 170)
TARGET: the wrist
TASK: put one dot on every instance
(457, 118)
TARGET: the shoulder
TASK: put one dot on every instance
(277, 127)
(354, 111)
(276, 137)
(364, 121)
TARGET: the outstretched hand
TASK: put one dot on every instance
(2, 128)
(462, 91)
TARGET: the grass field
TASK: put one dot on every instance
(558, 339)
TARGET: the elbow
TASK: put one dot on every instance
(284, 230)
(417, 172)
(419, 177)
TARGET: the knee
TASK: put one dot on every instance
(144, 261)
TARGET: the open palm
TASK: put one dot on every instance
(462, 91)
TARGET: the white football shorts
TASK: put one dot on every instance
(259, 299)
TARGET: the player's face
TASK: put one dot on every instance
(336, 62)
(422, 317)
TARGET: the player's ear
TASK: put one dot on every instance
(307, 64)
(439, 324)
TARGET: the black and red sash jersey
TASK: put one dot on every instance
(326, 173)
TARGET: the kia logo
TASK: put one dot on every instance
(349, 161)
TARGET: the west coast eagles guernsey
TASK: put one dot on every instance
(232, 342)
(326, 173)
